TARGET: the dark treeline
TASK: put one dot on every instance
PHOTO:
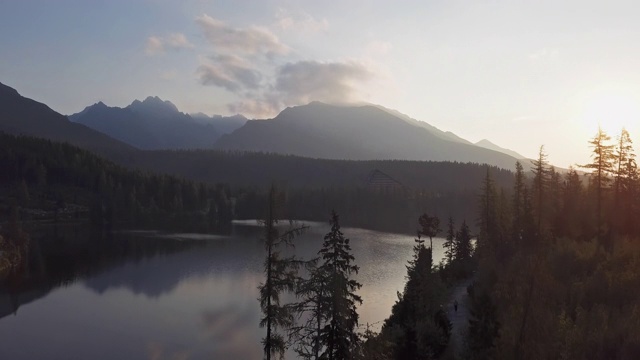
(260, 170)
(314, 187)
(50, 180)
(559, 261)
(56, 181)
(369, 208)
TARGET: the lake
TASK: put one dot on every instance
(179, 296)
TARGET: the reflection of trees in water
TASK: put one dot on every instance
(60, 256)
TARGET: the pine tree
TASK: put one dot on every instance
(338, 337)
(518, 204)
(449, 244)
(281, 275)
(430, 226)
(463, 245)
(624, 173)
(540, 182)
(313, 292)
(602, 165)
(488, 221)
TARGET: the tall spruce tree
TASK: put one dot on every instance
(281, 275)
(463, 245)
(488, 220)
(540, 183)
(518, 204)
(312, 292)
(449, 244)
(624, 160)
(602, 165)
(338, 337)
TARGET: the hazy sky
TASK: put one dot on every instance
(519, 73)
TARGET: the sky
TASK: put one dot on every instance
(519, 73)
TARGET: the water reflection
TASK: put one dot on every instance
(140, 297)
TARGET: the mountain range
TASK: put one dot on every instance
(154, 124)
(315, 130)
(22, 116)
(365, 132)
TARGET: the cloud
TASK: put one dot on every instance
(261, 108)
(300, 22)
(253, 40)
(154, 46)
(245, 63)
(158, 45)
(306, 81)
(230, 72)
(178, 41)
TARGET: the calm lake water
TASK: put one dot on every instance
(172, 297)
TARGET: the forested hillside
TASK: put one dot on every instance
(23, 116)
(258, 169)
(55, 181)
(559, 262)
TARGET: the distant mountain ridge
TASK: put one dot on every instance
(22, 116)
(489, 145)
(319, 130)
(447, 135)
(154, 124)
(316, 130)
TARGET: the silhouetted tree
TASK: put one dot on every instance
(540, 183)
(280, 276)
(463, 245)
(518, 203)
(603, 164)
(429, 226)
(449, 244)
(624, 173)
(488, 220)
(338, 336)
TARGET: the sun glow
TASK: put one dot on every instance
(612, 112)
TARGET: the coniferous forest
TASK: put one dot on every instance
(552, 258)
(554, 271)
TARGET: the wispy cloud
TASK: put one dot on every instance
(230, 72)
(253, 40)
(154, 46)
(158, 45)
(299, 21)
(305, 81)
(178, 41)
(249, 62)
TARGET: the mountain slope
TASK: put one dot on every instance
(223, 124)
(447, 135)
(356, 133)
(491, 146)
(154, 124)
(22, 116)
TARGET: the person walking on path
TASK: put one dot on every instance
(455, 305)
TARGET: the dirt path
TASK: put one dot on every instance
(459, 319)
